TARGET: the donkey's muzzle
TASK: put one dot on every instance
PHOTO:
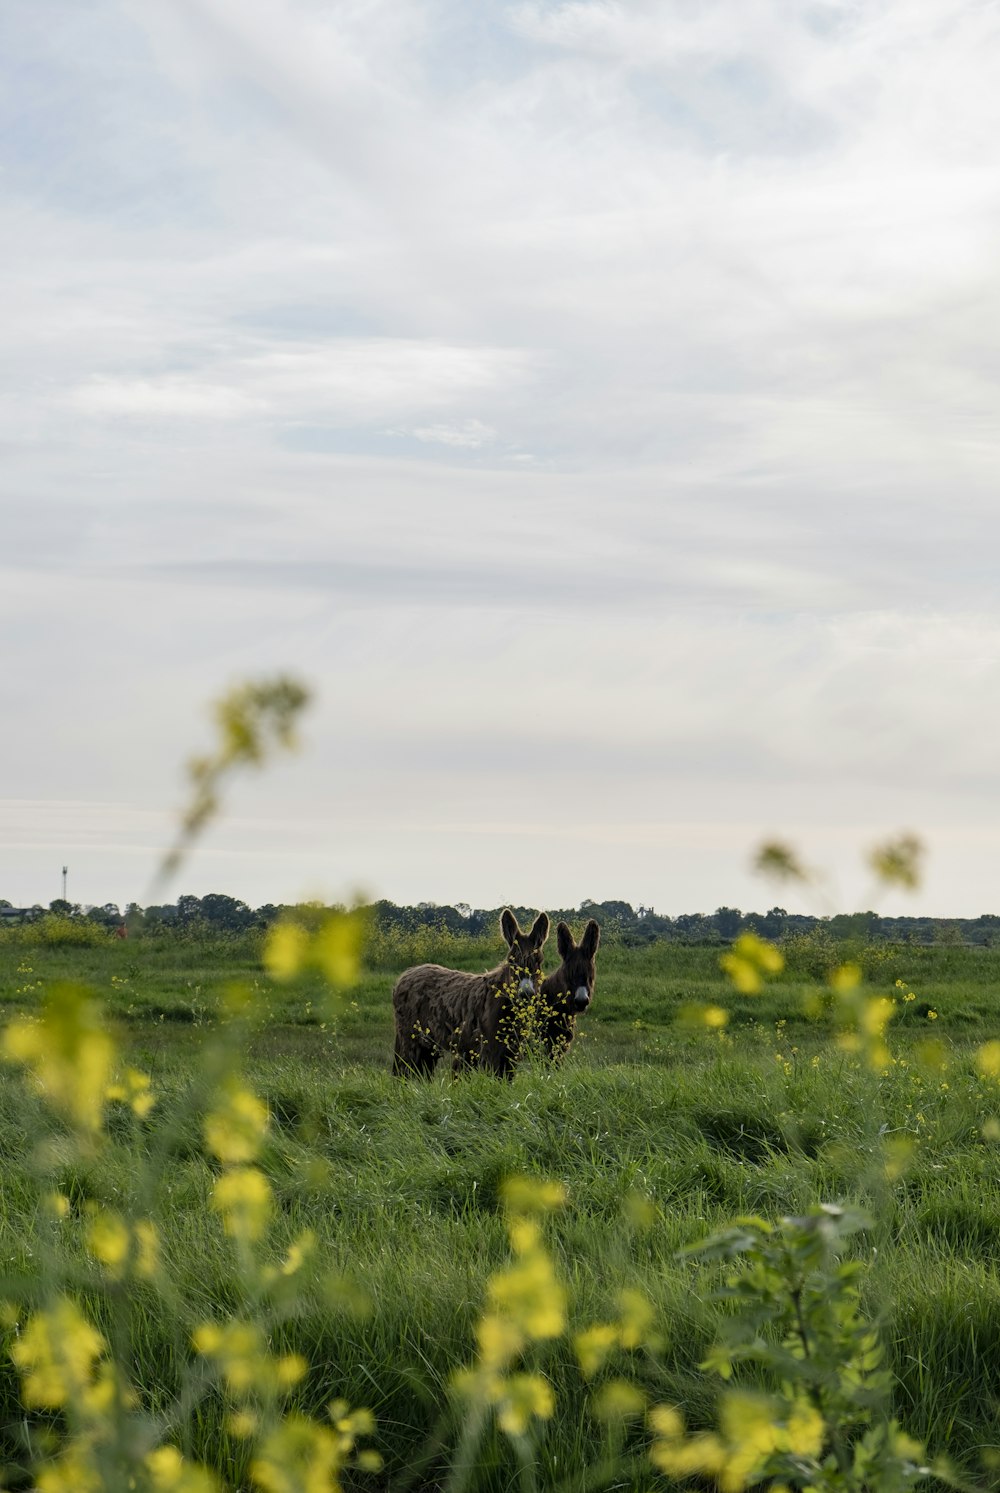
(581, 998)
(526, 987)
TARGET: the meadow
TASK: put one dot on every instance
(661, 1128)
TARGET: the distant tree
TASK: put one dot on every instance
(727, 922)
(226, 912)
(694, 927)
(62, 908)
(387, 915)
(773, 924)
(164, 916)
(107, 916)
(266, 914)
(854, 925)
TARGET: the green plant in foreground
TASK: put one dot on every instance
(822, 1422)
(68, 1365)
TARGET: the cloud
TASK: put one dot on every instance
(345, 381)
(294, 292)
(470, 434)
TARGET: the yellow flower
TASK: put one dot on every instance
(618, 1400)
(897, 1155)
(529, 1292)
(239, 1351)
(289, 1370)
(666, 1421)
(242, 1424)
(170, 1473)
(68, 1053)
(703, 1454)
(58, 1355)
(337, 948)
(134, 1091)
(243, 1197)
(236, 1127)
(744, 975)
(593, 1346)
(500, 1341)
(532, 1195)
(301, 1456)
(286, 950)
(988, 1059)
(751, 957)
(360, 1422)
(524, 1396)
(73, 1472)
(108, 1240)
(298, 1252)
(636, 1319)
(693, 1016)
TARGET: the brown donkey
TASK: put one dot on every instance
(568, 991)
(472, 1017)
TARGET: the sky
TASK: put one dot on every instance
(593, 401)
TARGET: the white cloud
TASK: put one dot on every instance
(471, 434)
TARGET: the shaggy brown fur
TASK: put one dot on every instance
(568, 990)
(473, 1017)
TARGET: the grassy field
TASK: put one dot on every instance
(400, 1181)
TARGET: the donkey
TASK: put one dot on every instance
(568, 991)
(475, 1018)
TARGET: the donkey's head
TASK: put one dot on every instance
(578, 970)
(524, 950)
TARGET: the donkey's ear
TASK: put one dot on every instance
(564, 940)
(590, 940)
(540, 930)
(508, 925)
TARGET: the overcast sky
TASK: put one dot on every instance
(595, 402)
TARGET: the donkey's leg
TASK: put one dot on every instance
(402, 1058)
(498, 1059)
(412, 1057)
(427, 1058)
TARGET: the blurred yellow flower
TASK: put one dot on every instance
(58, 1354)
(286, 950)
(169, 1472)
(133, 1090)
(69, 1054)
(988, 1059)
(243, 1197)
(500, 1340)
(618, 1400)
(532, 1195)
(593, 1346)
(236, 1127)
(751, 957)
(522, 1397)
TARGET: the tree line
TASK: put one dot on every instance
(218, 913)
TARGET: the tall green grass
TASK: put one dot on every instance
(400, 1183)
